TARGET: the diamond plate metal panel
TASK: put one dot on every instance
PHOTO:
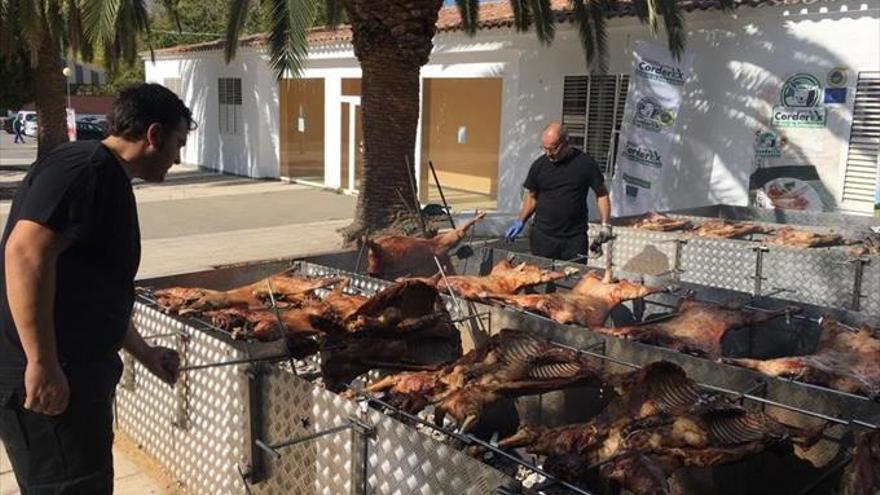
(199, 429)
(719, 263)
(871, 287)
(401, 459)
(822, 276)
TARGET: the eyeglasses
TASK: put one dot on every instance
(553, 149)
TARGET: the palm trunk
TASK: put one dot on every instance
(50, 99)
(392, 40)
(390, 99)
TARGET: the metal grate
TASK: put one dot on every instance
(860, 179)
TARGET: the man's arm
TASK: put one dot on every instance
(603, 201)
(161, 361)
(31, 255)
(528, 206)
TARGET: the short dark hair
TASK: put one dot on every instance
(136, 107)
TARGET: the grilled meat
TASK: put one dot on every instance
(804, 239)
(696, 327)
(505, 278)
(589, 303)
(845, 360)
(265, 324)
(391, 257)
(862, 476)
(870, 246)
(512, 364)
(284, 286)
(403, 327)
(728, 229)
(660, 222)
(660, 422)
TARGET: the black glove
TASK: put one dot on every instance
(603, 237)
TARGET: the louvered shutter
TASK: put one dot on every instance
(592, 110)
(860, 179)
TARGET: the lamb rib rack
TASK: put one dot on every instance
(844, 360)
(588, 303)
(512, 364)
(660, 422)
(862, 476)
(696, 327)
(394, 256)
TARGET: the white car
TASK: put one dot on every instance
(30, 122)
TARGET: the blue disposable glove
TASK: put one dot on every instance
(516, 227)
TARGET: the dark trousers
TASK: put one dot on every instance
(68, 454)
(19, 136)
(557, 248)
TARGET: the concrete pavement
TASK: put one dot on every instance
(194, 221)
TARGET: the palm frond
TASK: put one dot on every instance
(238, 12)
(99, 19)
(469, 11)
(333, 10)
(598, 15)
(55, 21)
(727, 5)
(585, 29)
(522, 17)
(288, 43)
(545, 20)
(76, 37)
(30, 18)
(673, 22)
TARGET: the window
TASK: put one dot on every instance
(174, 84)
(860, 179)
(592, 110)
(229, 94)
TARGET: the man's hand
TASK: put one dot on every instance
(603, 237)
(515, 228)
(162, 362)
(46, 389)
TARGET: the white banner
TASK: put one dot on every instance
(71, 124)
(648, 129)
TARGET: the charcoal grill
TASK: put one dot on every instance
(209, 431)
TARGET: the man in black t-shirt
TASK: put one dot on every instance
(557, 187)
(71, 250)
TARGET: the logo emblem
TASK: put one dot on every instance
(651, 116)
(800, 91)
(837, 77)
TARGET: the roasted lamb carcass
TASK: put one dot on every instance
(588, 303)
(404, 327)
(505, 278)
(660, 422)
(513, 363)
(870, 246)
(659, 222)
(282, 286)
(862, 475)
(845, 359)
(394, 256)
(728, 229)
(267, 324)
(696, 327)
(804, 239)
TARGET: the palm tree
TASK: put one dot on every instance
(392, 40)
(49, 28)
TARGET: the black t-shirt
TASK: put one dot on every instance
(80, 191)
(562, 189)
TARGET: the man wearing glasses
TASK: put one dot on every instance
(557, 187)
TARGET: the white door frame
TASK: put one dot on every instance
(353, 103)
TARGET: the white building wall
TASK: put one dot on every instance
(740, 63)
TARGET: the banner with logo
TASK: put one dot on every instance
(71, 124)
(648, 129)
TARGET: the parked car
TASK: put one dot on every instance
(87, 131)
(30, 122)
